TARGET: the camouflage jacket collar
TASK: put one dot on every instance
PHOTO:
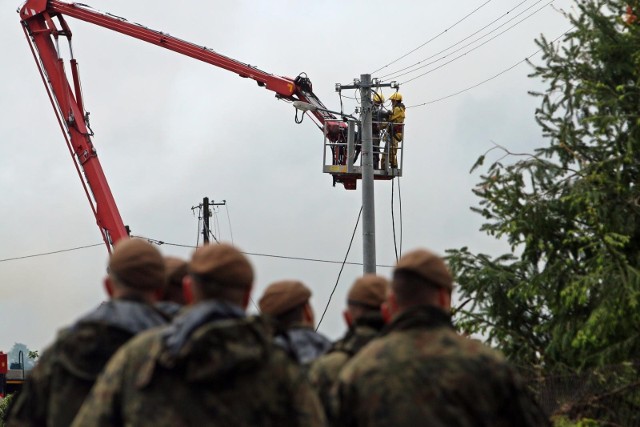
(420, 317)
(131, 316)
(178, 333)
(364, 329)
(303, 343)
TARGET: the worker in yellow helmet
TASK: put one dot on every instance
(396, 130)
(379, 118)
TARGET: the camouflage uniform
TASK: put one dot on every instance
(421, 373)
(302, 343)
(213, 367)
(324, 371)
(64, 375)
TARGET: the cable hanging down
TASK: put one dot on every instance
(434, 37)
(326, 307)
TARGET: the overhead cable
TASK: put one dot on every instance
(326, 307)
(489, 79)
(471, 50)
(52, 252)
(393, 74)
(325, 261)
(434, 37)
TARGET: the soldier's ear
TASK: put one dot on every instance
(308, 314)
(444, 299)
(347, 318)
(108, 286)
(246, 298)
(390, 307)
(187, 289)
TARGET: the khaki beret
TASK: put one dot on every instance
(137, 264)
(369, 289)
(428, 266)
(222, 264)
(282, 296)
(175, 269)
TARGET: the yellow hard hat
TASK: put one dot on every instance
(396, 96)
(378, 98)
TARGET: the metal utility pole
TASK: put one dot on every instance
(368, 197)
(203, 209)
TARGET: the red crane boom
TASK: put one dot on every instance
(39, 18)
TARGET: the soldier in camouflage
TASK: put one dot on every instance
(62, 378)
(173, 299)
(364, 319)
(287, 302)
(212, 366)
(421, 373)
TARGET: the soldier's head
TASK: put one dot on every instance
(420, 278)
(175, 271)
(136, 270)
(288, 302)
(219, 272)
(366, 296)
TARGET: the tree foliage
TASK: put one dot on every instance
(568, 293)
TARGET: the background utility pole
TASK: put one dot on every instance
(368, 199)
(206, 214)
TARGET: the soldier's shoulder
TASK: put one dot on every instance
(328, 365)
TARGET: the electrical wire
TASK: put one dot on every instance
(489, 79)
(52, 252)
(433, 38)
(400, 204)
(226, 206)
(318, 260)
(326, 307)
(473, 49)
(393, 221)
(395, 74)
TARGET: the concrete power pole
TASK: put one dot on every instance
(368, 194)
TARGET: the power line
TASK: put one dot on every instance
(475, 48)
(434, 37)
(489, 79)
(326, 261)
(326, 307)
(52, 252)
(397, 73)
(160, 242)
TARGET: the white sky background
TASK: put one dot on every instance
(170, 130)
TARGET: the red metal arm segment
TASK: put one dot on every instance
(42, 33)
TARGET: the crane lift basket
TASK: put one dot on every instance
(340, 158)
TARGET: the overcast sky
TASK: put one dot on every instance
(170, 130)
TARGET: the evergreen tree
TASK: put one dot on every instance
(568, 293)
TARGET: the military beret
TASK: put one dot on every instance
(369, 289)
(176, 269)
(222, 264)
(137, 264)
(427, 266)
(282, 296)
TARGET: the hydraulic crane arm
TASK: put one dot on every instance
(286, 88)
(39, 23)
